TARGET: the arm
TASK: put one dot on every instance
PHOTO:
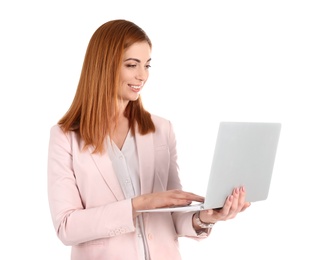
(75, 217)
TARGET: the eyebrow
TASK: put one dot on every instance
(137, 60)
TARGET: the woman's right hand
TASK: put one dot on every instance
(170, 198)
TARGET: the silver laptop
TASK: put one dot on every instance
(244, 155)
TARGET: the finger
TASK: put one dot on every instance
(174, 198)
(224, 212)
(239, 203)
(194, 197)
(242, 197)
(179, 194)
(234, 209)
(245, 206)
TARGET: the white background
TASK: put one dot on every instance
(212, 61)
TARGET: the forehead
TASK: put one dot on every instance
(139, 50)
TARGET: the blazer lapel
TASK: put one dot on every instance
(145, 148)
(104, 165)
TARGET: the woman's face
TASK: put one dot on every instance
(134, 71)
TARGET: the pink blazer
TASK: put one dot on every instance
(89, 210)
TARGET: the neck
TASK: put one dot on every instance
(122, 106)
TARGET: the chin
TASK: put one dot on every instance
(135, 98)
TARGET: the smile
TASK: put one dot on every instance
(136, 87)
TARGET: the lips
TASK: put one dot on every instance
(136, 88)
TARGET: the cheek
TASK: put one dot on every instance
(123, 77)
(125, 74)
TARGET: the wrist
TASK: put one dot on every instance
(200, 223)
(137, 204)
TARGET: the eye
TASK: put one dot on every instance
(148, 66)
(131, 65)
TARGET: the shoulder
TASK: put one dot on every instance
(56, 129)
(58, 136)
(67, 140)
(160, 122)
(57, 133)
(163, 126)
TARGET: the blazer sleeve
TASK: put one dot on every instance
(73, 222)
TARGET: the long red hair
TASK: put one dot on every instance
(96, 102)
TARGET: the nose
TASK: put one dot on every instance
(142, 74)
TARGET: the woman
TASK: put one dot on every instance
(109, 157)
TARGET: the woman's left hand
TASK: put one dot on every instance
(234, 204)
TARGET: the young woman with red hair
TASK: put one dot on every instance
(109, 158)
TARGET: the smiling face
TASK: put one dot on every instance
(134, 71)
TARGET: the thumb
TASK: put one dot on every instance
(209, 212)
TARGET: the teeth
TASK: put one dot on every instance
(136, 87)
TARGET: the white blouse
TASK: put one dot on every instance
(126, 165)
